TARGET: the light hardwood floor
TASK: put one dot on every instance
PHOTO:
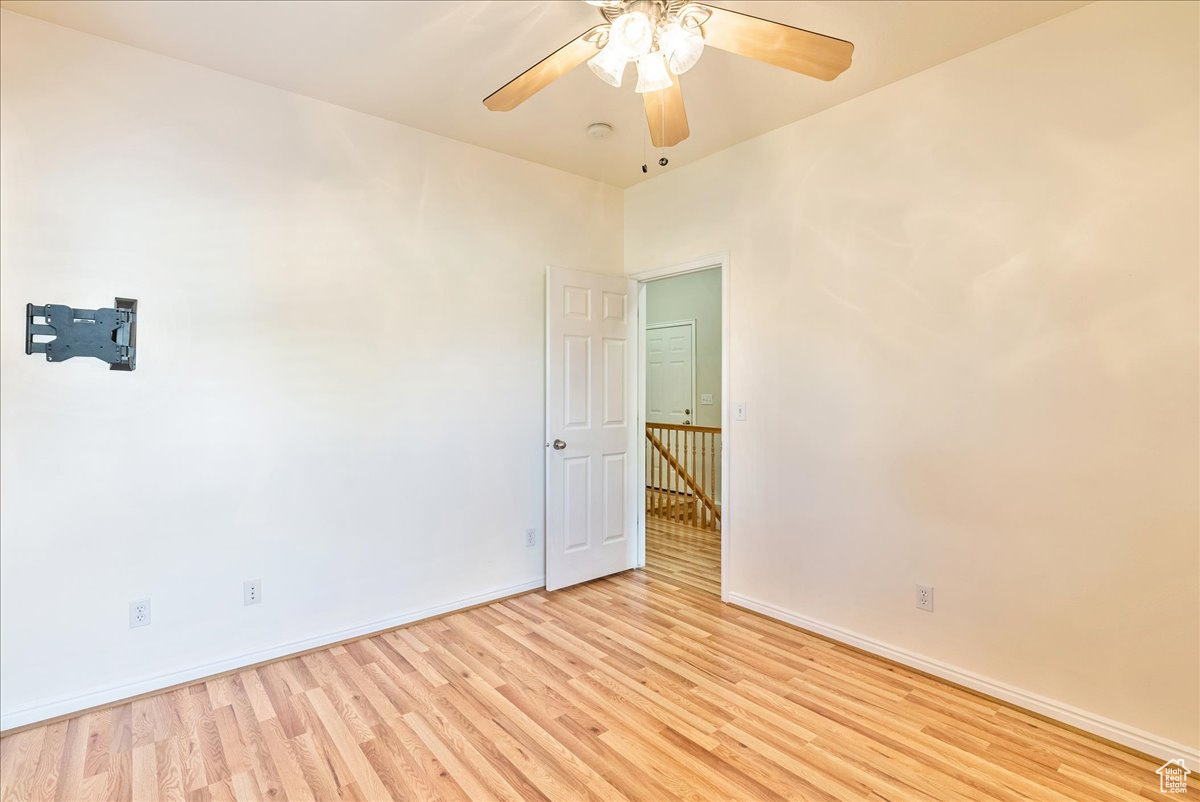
(640, 686)
(684, 555)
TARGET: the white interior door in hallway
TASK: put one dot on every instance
(671, 372)
(591, 426)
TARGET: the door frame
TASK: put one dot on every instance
(645, 327)
(709, 262)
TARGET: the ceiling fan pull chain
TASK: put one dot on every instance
(645, 163)
(662, 130)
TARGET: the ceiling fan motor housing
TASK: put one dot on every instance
(663, 8)
(654, 9)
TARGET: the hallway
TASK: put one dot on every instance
(681, 554)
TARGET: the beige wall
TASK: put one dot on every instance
(964, 317)
(694, 296)
(341, 327)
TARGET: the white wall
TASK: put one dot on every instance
(339, 385)
(964, 317)
(694, 296)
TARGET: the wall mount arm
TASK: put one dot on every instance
(106, 334)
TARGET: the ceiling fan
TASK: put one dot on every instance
(665, 38)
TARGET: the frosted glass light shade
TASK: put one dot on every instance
(682, 46)
(633, 33)
(652, 72)
(609, 64)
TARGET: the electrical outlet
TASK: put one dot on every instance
(925, 598)
(530, 538)
(739, 410)
(139, 613)
(251, 591)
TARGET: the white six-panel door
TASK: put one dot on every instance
(670, 373)
(592, 498)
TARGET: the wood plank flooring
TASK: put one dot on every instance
(684, 555)
(632, 687)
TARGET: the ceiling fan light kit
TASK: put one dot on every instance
(666, 38)
(652, 73)
(659, 36)
(632, 33)
(682, 45)
(609, 64)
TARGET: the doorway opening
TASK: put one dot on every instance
(682, 388)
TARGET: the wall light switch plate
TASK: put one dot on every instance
(739, 410)
(706, 399)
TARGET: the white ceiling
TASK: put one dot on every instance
(430, 64)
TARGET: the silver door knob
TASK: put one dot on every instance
(559, 445)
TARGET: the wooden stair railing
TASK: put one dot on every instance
(681, 474)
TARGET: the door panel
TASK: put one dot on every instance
(615, 482)
(591, 325)
(577, 501)
(577, 381)
(616, 391)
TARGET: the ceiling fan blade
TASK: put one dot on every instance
(545, 72)
(793, 49)
(665, 115)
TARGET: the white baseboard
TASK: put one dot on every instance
(1089, 722)
(53, 708)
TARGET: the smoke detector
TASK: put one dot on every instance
(599, 130)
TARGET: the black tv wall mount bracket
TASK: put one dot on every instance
(106, 334)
